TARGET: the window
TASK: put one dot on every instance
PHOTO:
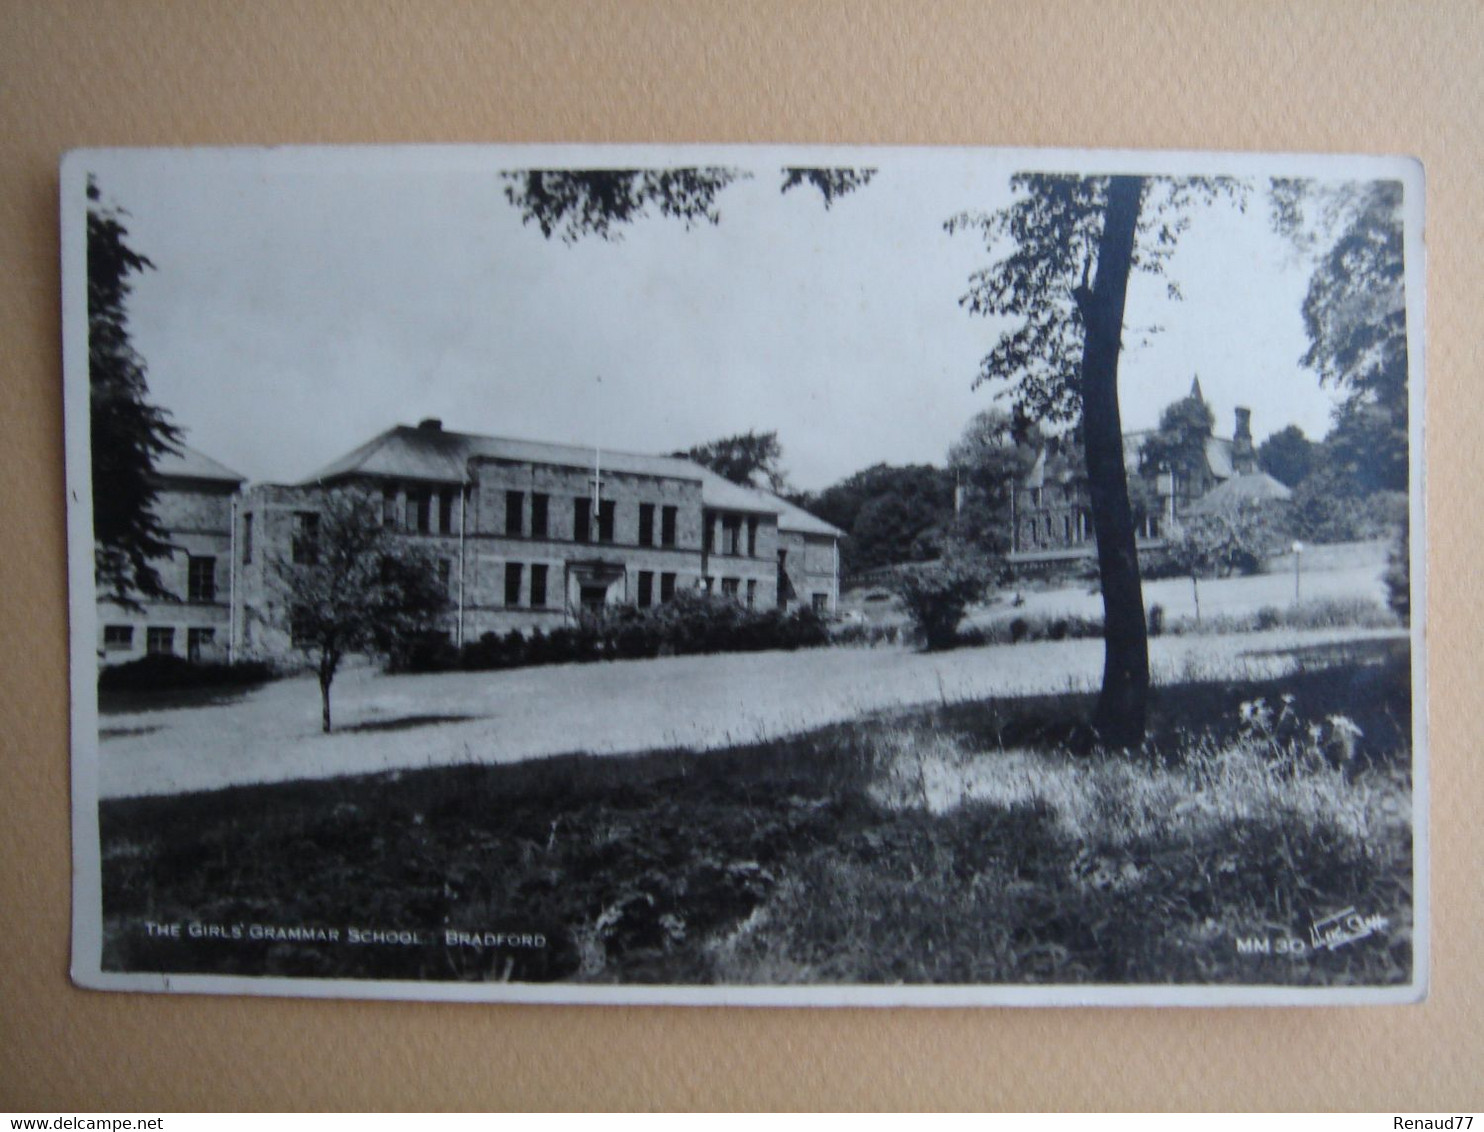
(708, 535)
(667, 586)
(751, 539)
(582, 519)
(515, 512)
(667, 525)
(821, 603)
(198, 641)
(605, 520)
(422, 504)
(646, 524)
(751, 593)
(445, 572)
(247, 538)
(646, 588)
(538, 586)
(201, 579)
(512, 583)
(306, 535)
(731, 535)
(730, 586)
(390, 512)
(118, 638)
(1066, 528)
(538, 515)
(159, 642)
(445, 510)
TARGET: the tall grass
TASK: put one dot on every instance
(1024, 865)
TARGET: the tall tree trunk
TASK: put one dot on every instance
(1123, 704)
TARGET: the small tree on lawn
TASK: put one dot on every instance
(353, 586)
(936, 594)
(1223, 542)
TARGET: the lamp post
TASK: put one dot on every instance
(1298, 558)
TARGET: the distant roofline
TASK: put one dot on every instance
(732, 496)
(190, 465)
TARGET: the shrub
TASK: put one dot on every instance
(1398, 575)
(149, 673)
(866, 634)
(937, 593)
(1320, 613)
(691, 623)
(423, 652)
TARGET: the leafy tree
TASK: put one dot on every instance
(936, 594)
(752, 459)
(355, 586)
(1288, 456)
(1065, 249)
(889, 514)
(1224, 541)
(1355, 316)
(600, 202)
(987, 461)
(1331, 505)
(128, 433)
(1368, 443)
(1180, 441)
(831, 183)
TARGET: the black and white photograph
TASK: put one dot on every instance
(747, 575)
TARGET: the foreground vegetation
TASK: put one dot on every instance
(960, 843)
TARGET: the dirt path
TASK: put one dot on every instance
(390, 722)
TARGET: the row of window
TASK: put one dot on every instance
(419, 518)
(1070, 532)
(513, 572)
(731, 536)
(540, 572)
(158, 640)
(422, 504)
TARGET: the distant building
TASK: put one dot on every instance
(1052, 505)
(194, 503)
(527, 534)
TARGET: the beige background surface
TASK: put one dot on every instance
(1402, 78)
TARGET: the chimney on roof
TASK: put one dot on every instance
(1244, 458)
(430, 424)
(1244, 424)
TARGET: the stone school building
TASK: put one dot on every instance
(196, 504)
(525, 534)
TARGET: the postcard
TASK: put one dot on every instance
(747, 575)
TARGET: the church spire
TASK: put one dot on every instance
(1195, 389)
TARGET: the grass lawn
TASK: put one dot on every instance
(272, 733)
(961, 841)
(1347, 572)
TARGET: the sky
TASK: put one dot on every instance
(304, 300)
